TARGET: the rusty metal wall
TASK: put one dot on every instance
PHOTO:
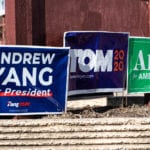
(43, 22)
(111, 15)
(10, 22)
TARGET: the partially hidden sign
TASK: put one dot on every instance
(33, 80)
(98, 61)
(139, 65)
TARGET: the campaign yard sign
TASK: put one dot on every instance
(98, 61)
(33, 80)
(139, 65)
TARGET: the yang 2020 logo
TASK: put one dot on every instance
(18, 104)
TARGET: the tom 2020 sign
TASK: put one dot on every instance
(33, 80)
(98, 61)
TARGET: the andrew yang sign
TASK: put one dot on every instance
(98, 61)
(33, 80)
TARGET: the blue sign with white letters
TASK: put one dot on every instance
(98, 61)
(33, 80)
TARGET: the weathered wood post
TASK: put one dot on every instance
(147, 99)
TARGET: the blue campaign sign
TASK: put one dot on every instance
(98, 61)
(33, 80)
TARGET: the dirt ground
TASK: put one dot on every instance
(116, 107)
(135, 108)
(89, 112)
(95, 112)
